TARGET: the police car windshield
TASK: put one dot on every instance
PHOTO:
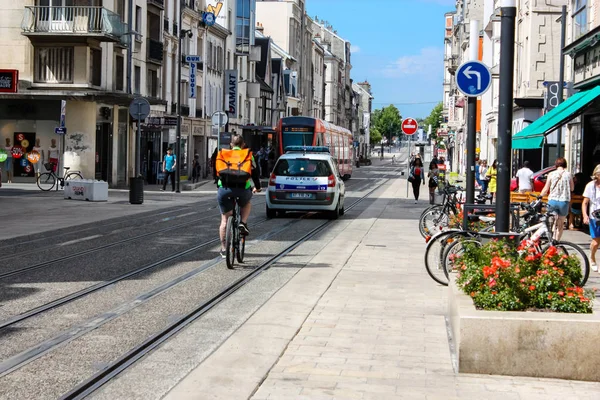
(302, 167)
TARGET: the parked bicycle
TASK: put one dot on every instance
(235, 242)
(537, 234)
(48, 180)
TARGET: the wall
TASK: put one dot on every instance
(80, 141)
(14, 47)
(275, 18)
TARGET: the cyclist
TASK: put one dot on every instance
(228, 189)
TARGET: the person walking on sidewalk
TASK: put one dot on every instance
(525, 178)
(416, 173)
(482, 176)
(433, 176)
(591, 199)
(559, 186)
(491, 175)
(169, 164)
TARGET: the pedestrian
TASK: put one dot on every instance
(483, 177)
(591, 199)
(559, 186)
(477, 180)
(196, 168)
(9, 161)
(435, 160)
(525, 178)
(579, 183)
(213, 161)
(433, 176)
(491, 175)
(169, 165)
(416, 173)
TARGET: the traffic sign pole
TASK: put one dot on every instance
(471, 127)
(409, 127)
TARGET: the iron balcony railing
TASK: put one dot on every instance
(73, 20)
(155, 50)
(158, 3)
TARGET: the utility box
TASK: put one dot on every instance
(86, 189)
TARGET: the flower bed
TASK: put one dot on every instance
(498, 276)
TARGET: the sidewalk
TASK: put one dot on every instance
(368, 324)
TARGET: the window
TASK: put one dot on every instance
(96, 67)
(119, 63)
(120, 9)
(580, 18)
(138, 18)
(302, 167)
(138, 80)
(244, 36)
(152, 83)
(53, 64)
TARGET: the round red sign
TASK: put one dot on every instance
(409, 126)
(20, 137)
(17, 151)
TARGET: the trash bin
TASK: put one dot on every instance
(136, 190)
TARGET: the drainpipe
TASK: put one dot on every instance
(130, 47)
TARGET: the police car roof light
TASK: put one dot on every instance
(307, 149)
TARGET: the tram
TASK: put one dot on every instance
(308, 131)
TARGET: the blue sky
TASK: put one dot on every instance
(398, 46)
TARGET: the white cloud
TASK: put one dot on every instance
(428, 62)
(354, 48)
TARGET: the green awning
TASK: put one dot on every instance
(532, 136)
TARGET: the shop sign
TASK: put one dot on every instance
(17, 151)
(587, 65)
(231, 95)
(160, 121)
(197, 130)
(9, 80)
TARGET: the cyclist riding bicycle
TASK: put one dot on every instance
(238, 179)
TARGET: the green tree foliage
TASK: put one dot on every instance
(434, 118)
(385, 122)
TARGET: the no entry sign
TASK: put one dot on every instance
(409, 126)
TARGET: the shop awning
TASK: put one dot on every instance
(532, 136)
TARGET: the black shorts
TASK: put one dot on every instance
(225, 198)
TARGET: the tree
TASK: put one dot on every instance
(375, 136)
(434, 118)
(386, 122)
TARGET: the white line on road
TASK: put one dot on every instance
(79, 240)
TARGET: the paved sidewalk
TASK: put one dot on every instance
(374, 329)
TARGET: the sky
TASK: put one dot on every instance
(397, 45)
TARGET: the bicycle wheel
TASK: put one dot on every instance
(433, 255)
(73, 175)
(571, 249)
(455, 249)
(229, 243)
(46, 181)
(433, 222)
(241, 249)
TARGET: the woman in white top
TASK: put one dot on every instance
(591, 199)
(9, 161)
(559, 185)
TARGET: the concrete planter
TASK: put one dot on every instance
(537, 344)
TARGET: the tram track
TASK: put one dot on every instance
(99, 379)
(103, 247)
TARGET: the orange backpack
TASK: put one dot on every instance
(234, 167)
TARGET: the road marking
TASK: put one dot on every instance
(79, 240)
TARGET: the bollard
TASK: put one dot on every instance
(136, 190)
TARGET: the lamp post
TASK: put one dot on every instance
(508, 11)
(561, 73)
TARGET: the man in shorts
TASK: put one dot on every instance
(226, 195)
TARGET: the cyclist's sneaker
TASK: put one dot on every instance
(244, 229)
(223, 254)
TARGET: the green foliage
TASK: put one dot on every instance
(434, 118)
(499, 276)
(385, 122)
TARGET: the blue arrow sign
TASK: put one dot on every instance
(473, 78)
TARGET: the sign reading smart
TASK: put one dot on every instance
(473, 78)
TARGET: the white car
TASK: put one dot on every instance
(306, 179)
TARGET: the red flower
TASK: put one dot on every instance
(532, 287)
(472, 294)
(517, 270)
(549, 297)
(561, 293)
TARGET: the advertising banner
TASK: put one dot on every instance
(231, 92)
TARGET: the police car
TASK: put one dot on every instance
(306, 178)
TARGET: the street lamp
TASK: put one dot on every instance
(182, 33)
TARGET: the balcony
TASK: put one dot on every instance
(158, 3)
(155, 51)
(72, 22)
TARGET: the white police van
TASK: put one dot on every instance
(306, 178)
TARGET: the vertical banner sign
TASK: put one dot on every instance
(551, 98)
(63, 112)
(192, 80)
(231, 97)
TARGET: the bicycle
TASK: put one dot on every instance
(235, 242)
(537, 235)
(47, 180)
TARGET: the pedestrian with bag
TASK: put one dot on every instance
(433, 176)
(590, 209)
(491, 175)
(415, 177)
(559, 186)
(482, 176)
(169, 164)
